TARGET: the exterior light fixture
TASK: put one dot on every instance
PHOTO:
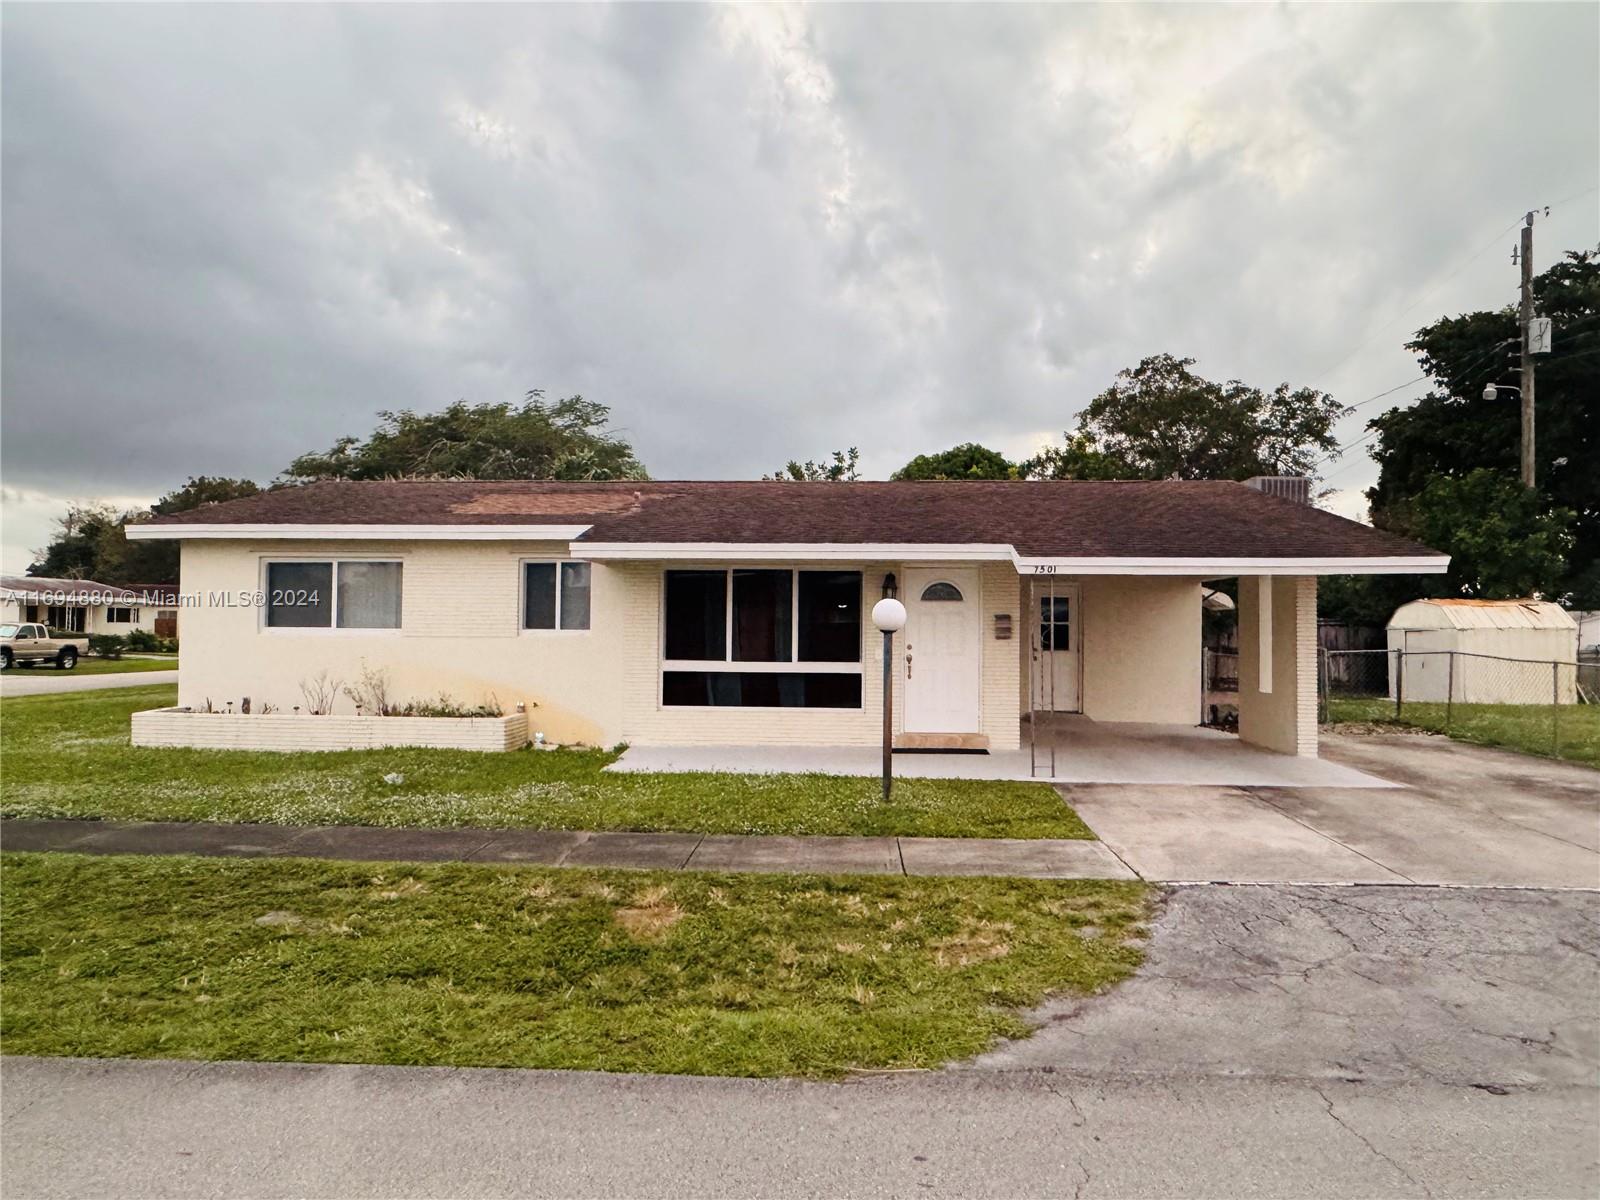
(889, 615)
(1489, 392)
(890, 590)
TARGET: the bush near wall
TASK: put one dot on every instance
(142, 641)
(106, 645)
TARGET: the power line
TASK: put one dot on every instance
(1490, 245)
(1554, 358)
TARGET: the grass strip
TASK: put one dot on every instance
(312, 961)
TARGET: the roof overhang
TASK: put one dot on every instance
(410, 533)
(1224, 568)
(795, 551)
(1208, 568)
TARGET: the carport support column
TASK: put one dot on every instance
(1278, 663)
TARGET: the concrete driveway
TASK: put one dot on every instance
(1464, 815)
(46, 680)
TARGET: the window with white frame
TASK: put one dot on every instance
(555, 595)
(333, 594)
(788, 638)
(122, 616)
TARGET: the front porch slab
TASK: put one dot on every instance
(1085, 752)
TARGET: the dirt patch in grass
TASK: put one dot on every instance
(452, 964)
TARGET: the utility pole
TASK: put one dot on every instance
(1527, 357)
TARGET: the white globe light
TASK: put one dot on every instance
(1489, 392)
(889, 616)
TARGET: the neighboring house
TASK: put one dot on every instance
(739, 612)
(1483, 652)
(161, 599)
(78, 605)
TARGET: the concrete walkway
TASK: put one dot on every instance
(1041, 858)
(42, 681)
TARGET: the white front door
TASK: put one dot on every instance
(1055, 657)
(944, 651)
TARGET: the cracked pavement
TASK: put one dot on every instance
(1281, 1041)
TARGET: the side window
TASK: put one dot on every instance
(555, 595)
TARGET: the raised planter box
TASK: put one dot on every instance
(293, 731)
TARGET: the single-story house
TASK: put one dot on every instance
(1483, 652)
(85, 606)
(738, 613)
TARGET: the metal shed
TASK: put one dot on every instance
(1483, 652)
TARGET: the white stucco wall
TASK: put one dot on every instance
(1140, 643)
(1284, 718)
(460, 633)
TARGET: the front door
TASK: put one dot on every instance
(944, 651)
(1055, 656)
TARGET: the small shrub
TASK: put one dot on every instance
(142, 641)
(370, 693)
(445, 705)
(320, 691)
(106, 645)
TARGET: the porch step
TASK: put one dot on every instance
(949, 743)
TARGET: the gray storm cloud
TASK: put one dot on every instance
(233, 233)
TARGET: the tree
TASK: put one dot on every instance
(1503, 540)
(966, 461)
(1453, 430)
(90, 543)
(841, 470)
(1160, 420)
(564, 439)
(74, 552)
(202, 490)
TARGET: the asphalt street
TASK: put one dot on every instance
(1280, 1042)
(47, 680)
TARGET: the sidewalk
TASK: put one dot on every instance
(1031, 858)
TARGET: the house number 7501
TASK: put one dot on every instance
(1044, 569)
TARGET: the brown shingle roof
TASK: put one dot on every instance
(1166, 519)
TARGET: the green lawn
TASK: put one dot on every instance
(117, 666)
(496, 966)
(104, 666)
(68, 756)
(1526, 727)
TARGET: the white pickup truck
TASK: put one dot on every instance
(26, 644)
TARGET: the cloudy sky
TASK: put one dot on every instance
(231, 234)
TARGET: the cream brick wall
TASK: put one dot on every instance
(460, 634)
(648, 722)
(1140, 642)
(278, 731)
(1284, 719)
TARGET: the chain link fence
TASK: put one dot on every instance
(1540, 706)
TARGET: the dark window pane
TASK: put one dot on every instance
(539, 595)
(1055, 634)
(760, 689)
(300, 595)
(697, 614)
(574, 595)
(830, 616)
(941, 591)
(761, 616)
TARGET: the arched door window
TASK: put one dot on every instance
(942, 591)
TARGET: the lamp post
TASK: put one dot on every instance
(889, 615)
